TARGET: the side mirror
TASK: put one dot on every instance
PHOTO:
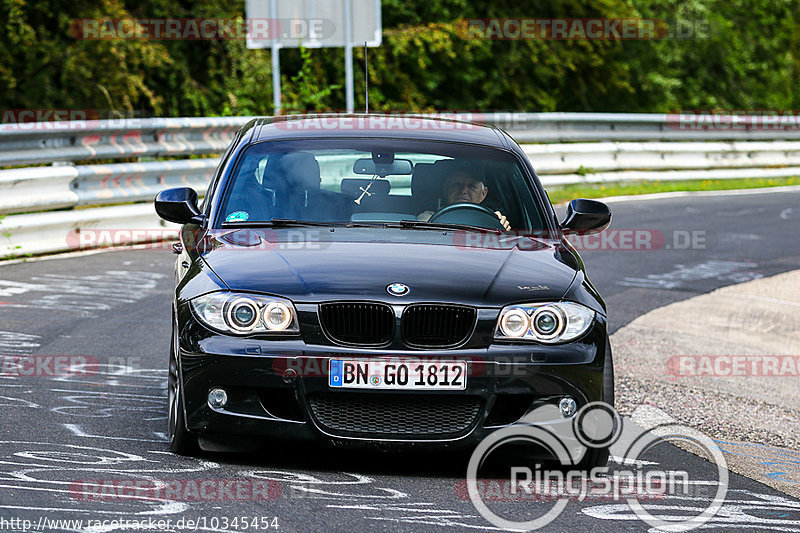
(586, 217)
(179, 205)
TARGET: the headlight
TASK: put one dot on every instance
(277, 316)
(515, 323)
(242, 314)
(544, 322)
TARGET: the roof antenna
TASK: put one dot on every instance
(366, 79)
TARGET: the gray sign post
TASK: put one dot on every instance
(277, 24)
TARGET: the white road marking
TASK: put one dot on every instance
(714, 269)
(82, 295)
(79, 432)
(17, 402)
(13, 343)
(733, 513)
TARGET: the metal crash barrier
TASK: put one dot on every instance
(44, 208)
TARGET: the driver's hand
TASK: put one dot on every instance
(503, 220)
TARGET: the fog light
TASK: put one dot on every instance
(217, 398)
(568, 407)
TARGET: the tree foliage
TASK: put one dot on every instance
(747, 56)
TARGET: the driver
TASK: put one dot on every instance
(463, 187)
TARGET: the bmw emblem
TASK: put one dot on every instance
(397, 289)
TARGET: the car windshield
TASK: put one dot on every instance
(379, 182)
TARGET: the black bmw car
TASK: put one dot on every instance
(348, 279)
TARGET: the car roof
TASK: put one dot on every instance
(378, 126)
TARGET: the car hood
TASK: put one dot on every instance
(435, 268)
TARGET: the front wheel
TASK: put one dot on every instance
(595, 457)
(181, 441)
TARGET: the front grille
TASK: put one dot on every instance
(434, 325)
(357, 322)
(395, 415)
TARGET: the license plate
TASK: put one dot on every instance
(380, 374)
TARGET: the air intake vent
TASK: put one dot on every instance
(437, 326)
(358, 323)
(395, 415)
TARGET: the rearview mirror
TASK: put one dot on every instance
(369, 167)
(179, 205)
(586, 217)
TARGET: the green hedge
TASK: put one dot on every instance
(748, 59)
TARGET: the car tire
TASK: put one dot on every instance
(598, 457)
(181, 441)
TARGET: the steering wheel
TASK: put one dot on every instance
(467, 213)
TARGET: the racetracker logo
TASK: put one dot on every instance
(734, 120)
(200, 29)
(600, 29)
(623, 240)
(47, 119)
(197, 490)
(48, 365)
(690, 366)
(229, 239)
(452, 121)
(87, 239)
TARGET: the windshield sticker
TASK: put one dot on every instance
(237, 216)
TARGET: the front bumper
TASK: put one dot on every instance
(271, 385)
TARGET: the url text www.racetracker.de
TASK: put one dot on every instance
(225, 523)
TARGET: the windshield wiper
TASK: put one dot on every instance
(404, 224)
(420, 224)
(290, 223)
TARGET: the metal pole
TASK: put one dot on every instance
(348, 54)
(276, 62)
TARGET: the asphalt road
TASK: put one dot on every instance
(62, 434)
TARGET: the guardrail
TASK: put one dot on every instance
(41, 205)
(87, 140)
